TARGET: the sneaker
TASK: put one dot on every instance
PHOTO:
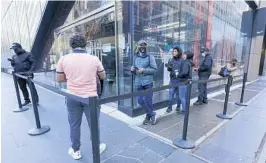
(169, 109)
(153, 120)
(146, 120)
(102, 147)
(178, 108)
(75, 155)
(26, 103)
(205, 101)
(198, 103)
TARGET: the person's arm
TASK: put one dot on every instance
(12, 61)
(207, 64)
(100, 70)
(169, 66)
(60, 75)
(32, 61)
(152, 68)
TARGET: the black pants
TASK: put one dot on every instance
(202, 87)
(23, 87)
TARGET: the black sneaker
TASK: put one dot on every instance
(146, 121)
(169, 109)
(26, 103)
(153, 120)
(178, 108)
(198, 103)
(205, 101)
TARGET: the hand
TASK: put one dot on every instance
(140, 70)
(132, 68)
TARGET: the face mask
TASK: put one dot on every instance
(142, 49)
(203, 54)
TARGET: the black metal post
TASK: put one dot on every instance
(40, 129)
(243, 91)
(95, 140)
(183, 142)
(227, 91)
(20, 107)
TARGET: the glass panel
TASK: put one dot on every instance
(82, 8)
(100, 35)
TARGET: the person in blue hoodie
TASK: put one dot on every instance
(185, 74)
(144, 68)
(173, 66)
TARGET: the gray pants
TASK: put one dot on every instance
(75, 112)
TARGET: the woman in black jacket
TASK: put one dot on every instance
(184, 75)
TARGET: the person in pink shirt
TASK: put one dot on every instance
(80, 70)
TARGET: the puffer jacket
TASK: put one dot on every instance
(23, 62)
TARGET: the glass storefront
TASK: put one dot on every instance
(113, 28)
(20, 22)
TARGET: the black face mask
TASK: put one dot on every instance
(142, 49)
(17, 50)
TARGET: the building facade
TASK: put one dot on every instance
(112, 29)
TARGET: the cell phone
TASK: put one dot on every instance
(9, 59)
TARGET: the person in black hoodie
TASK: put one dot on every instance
(23, 62)
(173, 66)
(204, 72)
(185, 74)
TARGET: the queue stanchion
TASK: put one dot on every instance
(240, 103)
(95, 140)
(39, 130)
(227, 91)
(20, 107)
(183, 142)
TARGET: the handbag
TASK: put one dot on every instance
(224, 72)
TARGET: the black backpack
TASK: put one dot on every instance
(224, 72)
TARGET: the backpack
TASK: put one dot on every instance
(224, 72)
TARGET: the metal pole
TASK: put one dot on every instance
(94, 129)
(243, 91)
(39, 130)
(185, 125)
(183, 142)
(20, 107)
(227, 91)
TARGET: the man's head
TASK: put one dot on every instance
(77, 41)
(233, 62)
(188, 55)
(142, 46)
(16, 47)
(177, 52)
(204, 51)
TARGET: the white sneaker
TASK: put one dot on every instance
(75, 155)
(102, 147)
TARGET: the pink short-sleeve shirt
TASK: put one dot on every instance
(81, 71)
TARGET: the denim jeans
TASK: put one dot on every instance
(146, 101)
(183, 90)
(172, 92)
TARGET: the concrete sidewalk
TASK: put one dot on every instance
(124, 144)
(241, 140)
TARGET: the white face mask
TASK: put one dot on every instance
(203, 54)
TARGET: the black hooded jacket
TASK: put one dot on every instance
(23, 62)
(205, 69)
(185, 72)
